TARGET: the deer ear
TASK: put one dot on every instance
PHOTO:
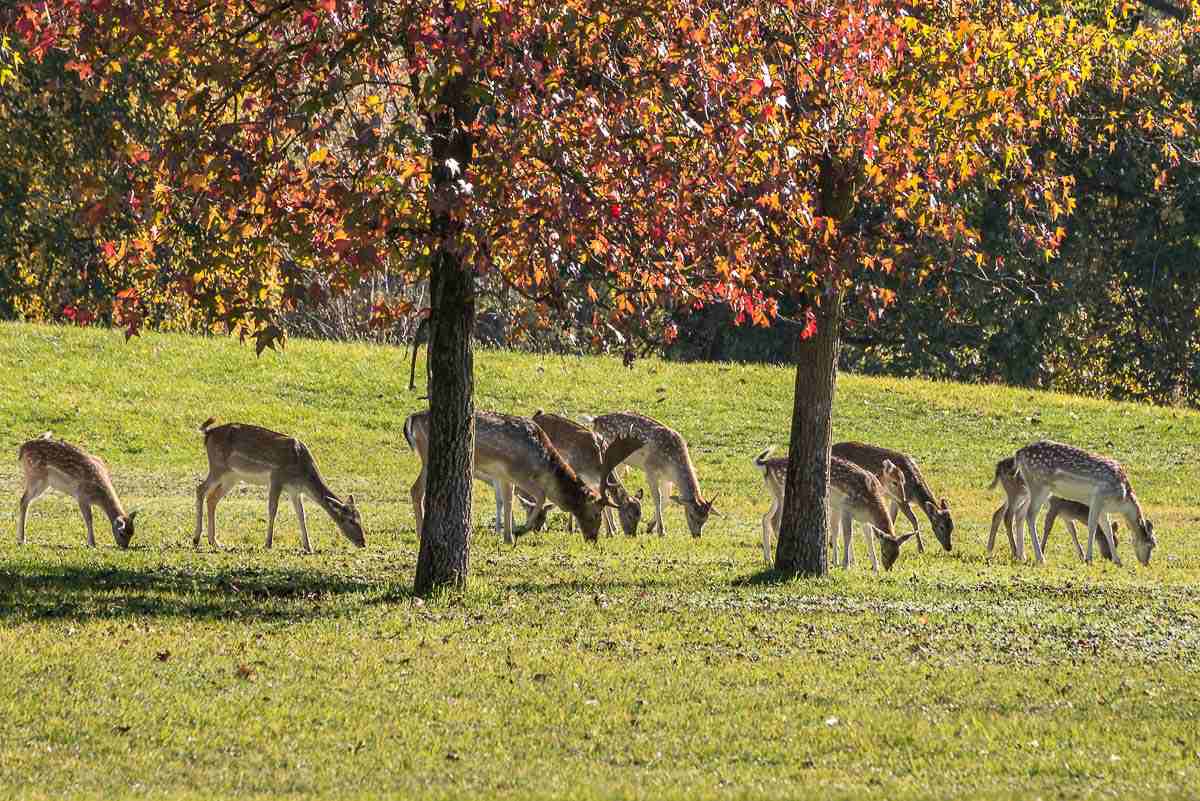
(945, 505)
(350, 501)
(640, 493)
(905, 538)
(931, 507)
(132, 515)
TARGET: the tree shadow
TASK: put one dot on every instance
(767, 577)
(86, 592)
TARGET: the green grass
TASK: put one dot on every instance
(647, 668)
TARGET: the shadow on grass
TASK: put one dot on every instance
(768, 577)
(580, 586)
(75, 592)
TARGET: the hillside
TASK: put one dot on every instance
(655, 667)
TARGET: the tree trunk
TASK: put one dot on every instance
(444, 557)
(805, 526)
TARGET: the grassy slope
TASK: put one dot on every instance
(645, 668)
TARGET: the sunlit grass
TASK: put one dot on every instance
(638, 668)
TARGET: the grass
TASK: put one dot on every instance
(647, 668)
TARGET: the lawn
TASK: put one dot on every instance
(646, 668)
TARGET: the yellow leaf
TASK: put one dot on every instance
(318, 155)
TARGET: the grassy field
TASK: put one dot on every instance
(648, 668)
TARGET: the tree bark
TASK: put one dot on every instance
(444, 556)
(804, 528)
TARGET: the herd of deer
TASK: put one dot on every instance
(552, 460)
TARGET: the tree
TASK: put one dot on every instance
(859, 137)
(452, 139)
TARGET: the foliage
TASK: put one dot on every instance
(299, 139)
(664, 666)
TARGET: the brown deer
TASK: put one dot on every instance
(47, 463)
(514, 452)
(584, 451)
(1016, 492)
(665, 460)
(1052, 468)
(240, 452)
(871, 459)
(854, 494)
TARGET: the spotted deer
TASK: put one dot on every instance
(871, 459)
(665, 460)
(584, 451)
(49, 463)
(1016, 492)
(1052, 468)
(240, 452)
(854, 494)
(513, 452)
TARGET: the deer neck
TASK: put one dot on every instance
(683, 476)
(880, 518)
(567, 490)
(107, 500)
(316, 488)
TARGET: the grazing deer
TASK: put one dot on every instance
(854, 494)
(513, 452)
(1073, 512)
(871, 459)
(239, 452)
(584, 451)
(1016, 493)
(47, 463)
(1052, 468)
(665, 461)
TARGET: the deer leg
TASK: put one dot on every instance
(273, 493)
(298, 505)
(767, 532)
(504, 499)
(656, 494)
(869, 532)
(999, 516)
(1035, 505)
(607, 514)
(1095, 512)
(202, 490)
(417, 493)
(847, 529)
(32, 490)
(1106, 527)
(1074, 536)
(903, 506)
(85, 509)
(214, 497)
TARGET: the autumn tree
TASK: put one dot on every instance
(524, 140)
(858, 137)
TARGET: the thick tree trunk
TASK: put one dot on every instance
(444, 557)
(805, 525)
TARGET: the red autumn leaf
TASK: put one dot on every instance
(810, 325)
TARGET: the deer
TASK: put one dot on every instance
(854, 494)
(49, 463)
(584, 451)
(871, 459)
(1073, 512)
(1052, 468)
(1015, 491)
(240, 452)
(514, 452)
(665, 460)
